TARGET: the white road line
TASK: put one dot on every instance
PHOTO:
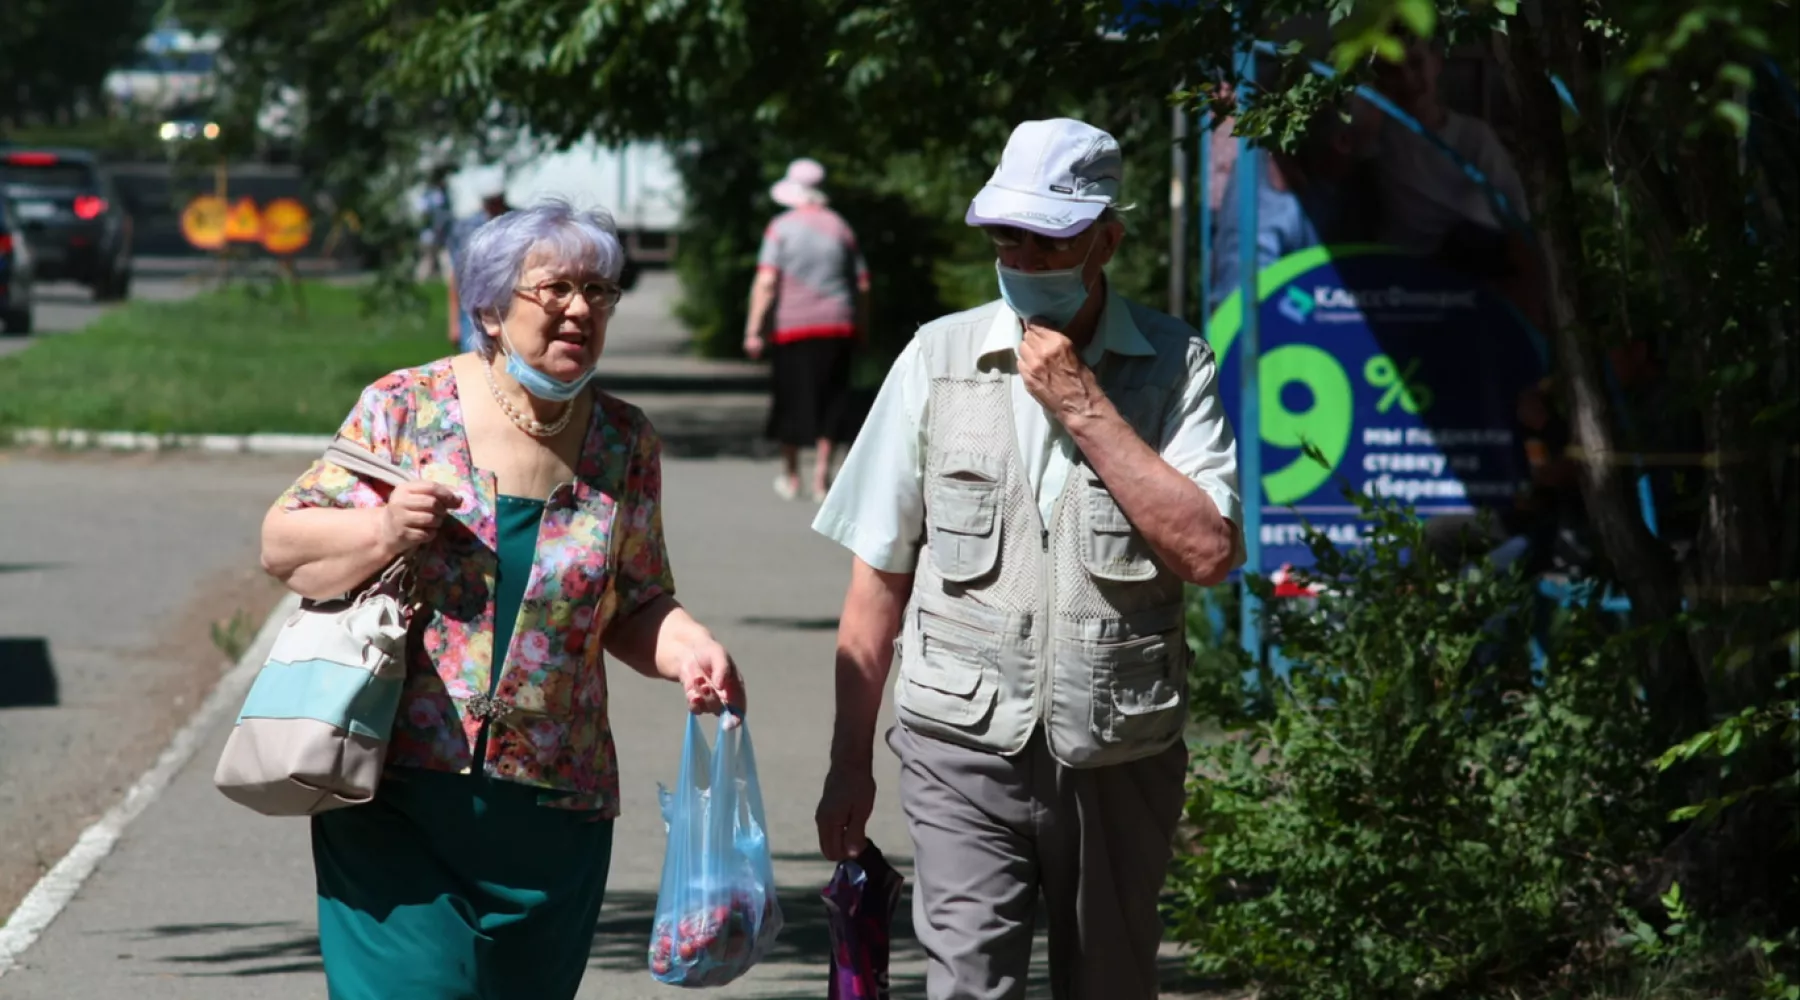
(59, 885)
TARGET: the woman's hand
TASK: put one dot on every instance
(710, 679)
(413, 514)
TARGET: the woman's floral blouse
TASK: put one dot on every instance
(600, 557)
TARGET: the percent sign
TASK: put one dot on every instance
(1400, 385)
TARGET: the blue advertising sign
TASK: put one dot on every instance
(1404, 376)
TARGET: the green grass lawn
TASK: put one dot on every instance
(233, 361)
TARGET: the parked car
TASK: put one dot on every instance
(17, 294)
(73, 216)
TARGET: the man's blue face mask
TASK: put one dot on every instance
(1054, 296)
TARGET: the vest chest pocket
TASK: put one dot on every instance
(1140, 689)
(961, 514)
(1111, 548)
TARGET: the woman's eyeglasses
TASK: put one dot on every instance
(556, 296)
(1012, 237)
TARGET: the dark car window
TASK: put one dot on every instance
(49, 175)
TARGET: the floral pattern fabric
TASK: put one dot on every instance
(600, 557)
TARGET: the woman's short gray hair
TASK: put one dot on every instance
(553, 231)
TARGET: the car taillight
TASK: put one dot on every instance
(31, 159)
(5, 243)
(89, 206)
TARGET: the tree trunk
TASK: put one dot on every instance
(1643, 565)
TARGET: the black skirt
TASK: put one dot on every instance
(811, 382)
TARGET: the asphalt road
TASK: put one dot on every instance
(64, 308)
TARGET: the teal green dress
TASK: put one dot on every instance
(460, 886)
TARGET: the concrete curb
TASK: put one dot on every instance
(252, 444)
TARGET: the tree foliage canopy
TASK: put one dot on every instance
(52, 59)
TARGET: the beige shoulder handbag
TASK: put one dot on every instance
(313, 733)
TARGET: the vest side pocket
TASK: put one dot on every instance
(947, 673)
(1140, 689)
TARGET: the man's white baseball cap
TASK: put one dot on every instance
(1055, 178)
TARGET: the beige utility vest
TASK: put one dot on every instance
(1074, 624)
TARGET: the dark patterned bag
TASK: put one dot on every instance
(859, 904)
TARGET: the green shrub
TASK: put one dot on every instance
(1414, 814)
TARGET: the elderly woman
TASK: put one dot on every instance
(535, 531)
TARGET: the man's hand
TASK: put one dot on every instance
(753, 346)
(844, 810)
(1055, 375)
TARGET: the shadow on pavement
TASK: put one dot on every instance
(804, 944)
(706, 384)
(27, 677)
(791, 624)
(297, 952)
(619, 945)
(701, 432)
(6, 568)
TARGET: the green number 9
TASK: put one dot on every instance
(1326, 425)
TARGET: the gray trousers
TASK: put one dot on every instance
(991, 832)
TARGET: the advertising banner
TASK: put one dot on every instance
(1404, 377)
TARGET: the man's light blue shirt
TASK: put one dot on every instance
(876, 508)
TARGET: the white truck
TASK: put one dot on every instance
(637, 183)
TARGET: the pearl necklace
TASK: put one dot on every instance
(525, 421)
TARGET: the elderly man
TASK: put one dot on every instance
(1036, 481)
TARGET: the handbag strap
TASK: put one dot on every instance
(364, 462)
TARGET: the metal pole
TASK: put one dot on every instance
(1249, 429)
(1203, 195)
(619, 209)
(1178, 243)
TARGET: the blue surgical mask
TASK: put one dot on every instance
(536, 382)
(1054, 295)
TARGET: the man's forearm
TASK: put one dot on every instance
(1175, 516)
(865, 653)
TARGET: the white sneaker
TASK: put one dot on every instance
(785, 488)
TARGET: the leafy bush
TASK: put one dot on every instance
(1415, 813)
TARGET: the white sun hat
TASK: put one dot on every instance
(800, 185)
(1055, 178)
